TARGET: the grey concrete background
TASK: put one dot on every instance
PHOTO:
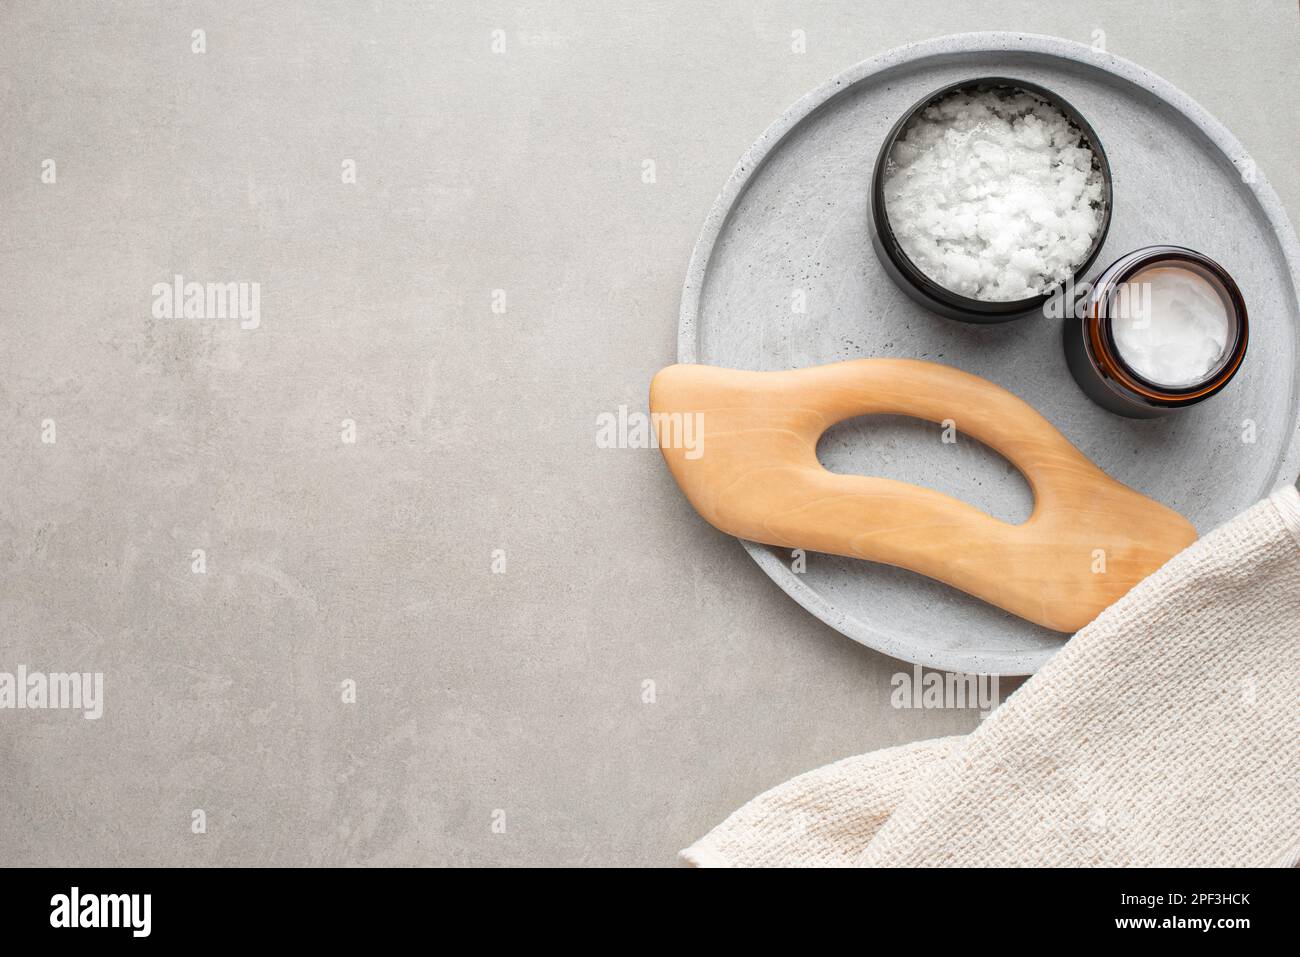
(372, 562)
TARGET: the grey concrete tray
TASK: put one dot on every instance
(784, 276)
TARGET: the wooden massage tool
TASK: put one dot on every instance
(751, 470)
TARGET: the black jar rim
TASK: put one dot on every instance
(1099, 334)
(908, 275)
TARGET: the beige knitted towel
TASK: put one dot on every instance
(1165, 733)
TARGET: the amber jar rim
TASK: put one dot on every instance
(1101, 339)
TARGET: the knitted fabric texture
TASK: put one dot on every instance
(1163, 734)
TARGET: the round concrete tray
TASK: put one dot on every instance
(784, 276)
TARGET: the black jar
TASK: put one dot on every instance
(916, 283)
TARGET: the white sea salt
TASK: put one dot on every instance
(993, 194)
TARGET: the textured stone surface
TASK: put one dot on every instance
(372, 561)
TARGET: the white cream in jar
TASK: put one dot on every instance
(1172, 326)
(1161, 329)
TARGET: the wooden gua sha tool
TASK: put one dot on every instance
(756, 476)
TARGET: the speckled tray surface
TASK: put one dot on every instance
(790, 228)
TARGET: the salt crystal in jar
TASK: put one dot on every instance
(987, 197)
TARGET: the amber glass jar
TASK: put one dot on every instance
(1098, 364)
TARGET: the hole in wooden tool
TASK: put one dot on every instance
(926, 454)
